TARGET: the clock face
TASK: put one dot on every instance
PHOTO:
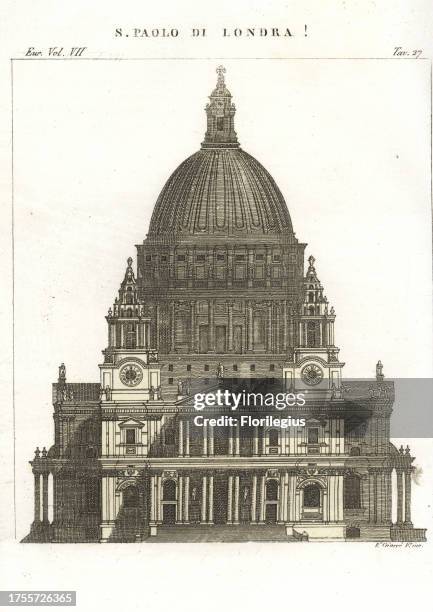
(131, 375)
(311, 374)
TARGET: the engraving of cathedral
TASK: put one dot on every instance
(220, 295)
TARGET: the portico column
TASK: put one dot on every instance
(230, 500)
(292, 497)
(37, 507)
(230, 442)
(180, 499)
(210, 514)
(203, 499)
(250, 346)
(284, 325)
(262, 499)
(186, 438)
(407, 497)
(237, 439)
(192, 330)
(263, 441)
(399, 497)
(236, 504)
(269, 327)
(45, 497)
(186, 500)
(301, 340)
(254, 500)
(211, 440)
(205, 440)
(211, 323)
(230, 326)
(159, 498)
(180, 437)
(152, 499)
(256, 441)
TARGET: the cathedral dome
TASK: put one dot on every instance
(220, 189)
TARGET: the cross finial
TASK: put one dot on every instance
(220, 72)
(311, 260)
(129, 261)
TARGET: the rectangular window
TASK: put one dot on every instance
(181, 258)
(240, 258)
(188, 367)
(313, 435)
(260, 257)
(220, 257)
(130, 436)
(220, 123)
(164, 258)
(201, 257)
(252, 367)
(272, 367)
(148, 257)
(235, 368)
(170, 367)
(277, 257)
(170, 381)
(206, 368)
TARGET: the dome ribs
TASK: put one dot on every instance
(220, 191)
(256, 216)
(219, 195)
(234, 196)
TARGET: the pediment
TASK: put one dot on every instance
(131, 423)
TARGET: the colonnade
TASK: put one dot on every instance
(280, 330)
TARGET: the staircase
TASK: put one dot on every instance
(126, 528)
(221, 533)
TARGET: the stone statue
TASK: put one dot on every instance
(220, 370)
(62, 372)
(108, 393)
(179, 387)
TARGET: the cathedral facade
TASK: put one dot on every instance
(220, 297)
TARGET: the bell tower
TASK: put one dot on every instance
(130, 370)
(316, 363)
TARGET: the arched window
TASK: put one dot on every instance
(312, 496)
(352, 491)
(311, 297)
(311, 333)
(131, 339)
(272, 490)
(273, 437)
(169, 491)
(129, 299)
(130, 497)
(311, 310)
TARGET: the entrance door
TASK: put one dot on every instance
(271, 513)
(237, 339)
(169, 514)
(220, 499)
(220, 338)
(203, 338)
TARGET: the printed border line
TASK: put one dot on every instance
(116, 59)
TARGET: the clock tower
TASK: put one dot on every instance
(130, 371)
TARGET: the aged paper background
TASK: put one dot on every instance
(349, 143)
